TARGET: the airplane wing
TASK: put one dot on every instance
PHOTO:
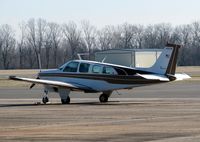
(70, 86)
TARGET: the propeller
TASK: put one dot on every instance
(33, 84)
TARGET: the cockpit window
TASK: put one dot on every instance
(61, 67)
(108, 70)
(96, 69)
(84, 67)
(71, 67)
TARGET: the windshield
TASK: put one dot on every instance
(71, 67)
(61, 67)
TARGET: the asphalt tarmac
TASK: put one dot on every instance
(159, 113)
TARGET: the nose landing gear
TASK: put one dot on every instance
(45, 99)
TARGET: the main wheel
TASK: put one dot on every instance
(45, 99)
(65, 101)
(103, 98)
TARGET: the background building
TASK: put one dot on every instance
(129, 57)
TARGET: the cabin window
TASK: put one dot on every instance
(108, 70)
(96, 69)
(84, 67)
(71, 67)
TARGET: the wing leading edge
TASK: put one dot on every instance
(70, 86)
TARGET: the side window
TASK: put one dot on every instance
(96, 69)
(108, 70)
(71, 67)
(84, 67)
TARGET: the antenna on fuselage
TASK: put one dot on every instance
(39, 61)
(80, 54)
(104, 59)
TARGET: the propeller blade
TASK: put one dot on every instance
(32, 85)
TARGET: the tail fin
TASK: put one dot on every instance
(166, 63)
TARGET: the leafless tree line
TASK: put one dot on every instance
(56, 44)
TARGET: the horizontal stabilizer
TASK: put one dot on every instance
(154, 77)
(182, 76)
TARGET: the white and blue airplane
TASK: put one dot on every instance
(91, 76)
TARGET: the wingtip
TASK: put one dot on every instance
(12, 77)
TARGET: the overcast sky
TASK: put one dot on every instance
(101, 12)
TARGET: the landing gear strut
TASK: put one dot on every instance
(64, 95)
(66, 101)
(103, 98)
(45, 99)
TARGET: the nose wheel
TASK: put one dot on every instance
(103, 98)
(45, 99)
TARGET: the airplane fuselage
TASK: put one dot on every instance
(96, 78)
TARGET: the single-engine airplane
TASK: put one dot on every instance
(91, 76)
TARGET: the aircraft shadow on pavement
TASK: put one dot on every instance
(111, 103)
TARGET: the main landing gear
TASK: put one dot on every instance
(66, 101)
(103, 98)
(64, 95)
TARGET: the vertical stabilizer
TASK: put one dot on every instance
(166, 63)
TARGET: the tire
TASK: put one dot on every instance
(103, 98)
(65, 101)
(45, 100)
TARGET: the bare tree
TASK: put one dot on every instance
(7, 45)
(117, 38)
(56, 37)
(150, 37)
(47, 44)
(58, 44)
(73, 36)
(1, 45)
(105, 37)
(164, 34)
(196, 42)
(21, 44)
(127, 35)
(89, 36)
(138, 36)
(35, 36)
